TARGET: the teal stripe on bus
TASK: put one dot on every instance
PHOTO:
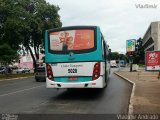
(79, 79)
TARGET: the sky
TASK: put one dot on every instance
(119, 20)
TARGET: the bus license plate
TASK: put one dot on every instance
(72, 78)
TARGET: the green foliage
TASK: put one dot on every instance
(23, 24)
(138, 57)
(122, 57)
(7, 54)
(114, 55)
(11, 76)
(117, 56)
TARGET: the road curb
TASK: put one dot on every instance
(15, 78)
(130, 111)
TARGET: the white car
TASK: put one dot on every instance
(113, 63)
(23, 70)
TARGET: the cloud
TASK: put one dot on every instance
(118, 20)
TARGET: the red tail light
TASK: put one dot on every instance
(49, 72)
(96, 71)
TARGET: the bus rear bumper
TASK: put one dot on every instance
(99, 83)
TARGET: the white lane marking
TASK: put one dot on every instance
(21, 91)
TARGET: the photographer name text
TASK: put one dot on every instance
(146, 6)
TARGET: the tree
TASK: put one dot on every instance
(42, 16)
(10, 24)
(138, 57)
(122, 57)
(7, 54)
(114, 55)
(23, 24)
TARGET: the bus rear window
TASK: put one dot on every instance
(71, 40)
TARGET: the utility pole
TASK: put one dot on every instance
(131, 62)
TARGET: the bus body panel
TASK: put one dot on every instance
(82, 77)
(99, 83)
(74, 69)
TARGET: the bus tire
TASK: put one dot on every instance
(37, 80)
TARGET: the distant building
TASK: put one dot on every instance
(151, 39)
(26, 61)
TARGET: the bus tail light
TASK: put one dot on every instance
(49, 72)
(96, 71)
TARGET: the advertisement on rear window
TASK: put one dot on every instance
(153, 60)
(72, 40)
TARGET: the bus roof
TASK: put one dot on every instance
(73, 27)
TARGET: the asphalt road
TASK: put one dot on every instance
(28, 96)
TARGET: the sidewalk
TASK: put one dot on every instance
(146, 98)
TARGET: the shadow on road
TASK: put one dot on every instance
(81, 94)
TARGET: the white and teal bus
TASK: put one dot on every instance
(76, 57)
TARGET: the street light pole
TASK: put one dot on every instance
(131, 62)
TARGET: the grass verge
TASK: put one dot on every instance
(141, 65)
(10, 76)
